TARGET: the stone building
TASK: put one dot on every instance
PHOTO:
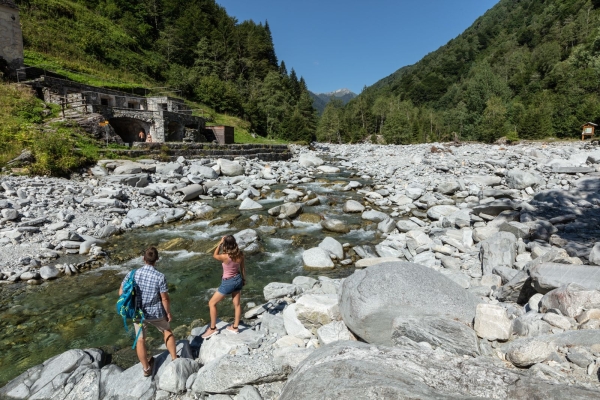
(11, 37)
(166, 119)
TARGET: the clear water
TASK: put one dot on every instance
(38, 322)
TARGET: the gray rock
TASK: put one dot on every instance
(374, 216)
(333, 332)
(276, 290)
(191, 192)
(317, 258)
(517, 179)
(529, 353)
(304, 282)
(521, 231)
(452, 336)
(354, 370)
(333, 247)
(230, 168)
(49, 272)
(441, 211)
(107, 231)
(353, 206)
(406, 225)
(594, 256)
(492, 323)
(370, 299)
(335, 225)
(176, 373)
(549, 276)
(249, 393)
(228, 374)
(307, 160)
(580, 357)
(169, 169)
(273, 324)
(10, 214)
(135, 180)
(249, 204)
(571, 299)
(316, 310)
(291, 210)
(530, 325)
(292, 324)
(500, 250)
(203, 171)
(448, 187)
(226, 343)
(386, 226)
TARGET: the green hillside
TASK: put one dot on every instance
(192, 47)
(528, 66)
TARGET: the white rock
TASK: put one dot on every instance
(491, 322)
(317, 258)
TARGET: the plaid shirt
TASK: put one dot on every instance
(150, 284)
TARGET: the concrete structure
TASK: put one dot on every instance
(11, 37)
(165, 119)
(222, 134)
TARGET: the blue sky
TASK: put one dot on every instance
(338, 44)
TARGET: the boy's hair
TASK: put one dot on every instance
(150, 255)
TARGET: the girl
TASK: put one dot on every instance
(234, 278)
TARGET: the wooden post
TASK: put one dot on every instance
(62, 106)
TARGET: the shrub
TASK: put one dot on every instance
(512, 137)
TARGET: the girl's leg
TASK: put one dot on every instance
(236, 298)
(212, 306)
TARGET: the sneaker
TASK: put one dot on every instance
(210, 332)
(233, 329)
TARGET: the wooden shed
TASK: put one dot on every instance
(588, 129)
(222, 134)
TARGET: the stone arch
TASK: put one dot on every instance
(128, 128)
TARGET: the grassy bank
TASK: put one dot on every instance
(25, 123)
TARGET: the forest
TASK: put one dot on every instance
(190, 46)
(526, 69)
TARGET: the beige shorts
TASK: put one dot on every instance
(161, 324)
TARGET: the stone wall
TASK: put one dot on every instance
(11, 37)
(171, 151)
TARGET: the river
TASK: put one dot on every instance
(38, 322)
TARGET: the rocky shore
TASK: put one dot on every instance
(485, 284)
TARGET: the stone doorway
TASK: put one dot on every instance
(129, 128)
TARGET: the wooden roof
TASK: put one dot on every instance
(9, 4)
(587, 123)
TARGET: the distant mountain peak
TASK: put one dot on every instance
(320, 100)
(339, 93)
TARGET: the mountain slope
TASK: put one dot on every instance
(529, 66)
(192, 47)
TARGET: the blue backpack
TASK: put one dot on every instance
(127, 305)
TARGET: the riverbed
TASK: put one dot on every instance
(38, 322)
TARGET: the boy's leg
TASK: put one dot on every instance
(140, 347)
(170, 342)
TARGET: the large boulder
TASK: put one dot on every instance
(317, 258)
(571, 299)
(308, 160)
(452, 336)
(373, 297)
(230, 168)
(249, 204)
(229, 373)
(176, 373)
(226, 343)
(548, 276)
(355, 370)
(333, 247)
(275, 290)
(316, 310)
(517, 179)
(203, 171)
(441, 211)
(500, 250)
(353, 206)
(335, 225)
